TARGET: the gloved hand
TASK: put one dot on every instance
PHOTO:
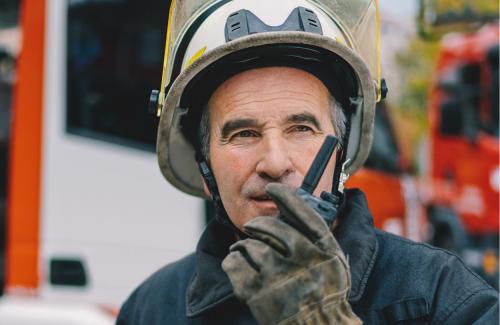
(291, 270)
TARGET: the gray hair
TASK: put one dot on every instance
(338, 120)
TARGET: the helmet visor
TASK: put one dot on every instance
(360, 21)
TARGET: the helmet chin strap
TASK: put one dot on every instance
(339, 176)
(221, 215)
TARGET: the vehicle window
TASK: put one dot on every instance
(384, 154)
(493, 121)
(470, 95)
(479, 95)
(114, 59)
(9, 38)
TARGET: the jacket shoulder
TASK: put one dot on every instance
(157, 298)
(427, 266)
(409, 273)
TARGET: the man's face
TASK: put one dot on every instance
(266, 125)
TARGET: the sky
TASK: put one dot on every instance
(399, 8)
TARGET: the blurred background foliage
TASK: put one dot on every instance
(416, 64)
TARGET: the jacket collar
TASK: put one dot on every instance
(356, 236)
(210, 286)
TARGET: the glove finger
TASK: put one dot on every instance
(242, 275)
(296, 212)
(256, 253)
(278, 234)
(260, 255)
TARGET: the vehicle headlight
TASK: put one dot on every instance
(495, 179)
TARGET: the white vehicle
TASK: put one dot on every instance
(89, 215)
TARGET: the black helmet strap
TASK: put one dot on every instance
(220, 212)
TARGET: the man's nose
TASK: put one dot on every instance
(274, 159)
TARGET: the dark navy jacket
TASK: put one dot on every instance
(394, 281)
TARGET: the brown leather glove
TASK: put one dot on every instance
(291, 270)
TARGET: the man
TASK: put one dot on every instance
(253, 103)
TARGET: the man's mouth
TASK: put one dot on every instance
(265, 206)
(263, 197)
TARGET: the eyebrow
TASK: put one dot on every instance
(236, 124)
(304, 118)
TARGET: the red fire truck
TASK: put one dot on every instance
(464, 173)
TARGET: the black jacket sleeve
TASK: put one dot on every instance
(464, 297)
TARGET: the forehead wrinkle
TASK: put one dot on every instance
(249, 98)
(243, 94)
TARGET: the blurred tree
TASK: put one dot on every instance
(438, 17)
(416, 64)
(480, 7)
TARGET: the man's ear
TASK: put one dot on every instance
(205, 188)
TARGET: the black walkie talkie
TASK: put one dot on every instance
(328, 205)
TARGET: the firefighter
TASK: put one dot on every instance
(250, 91)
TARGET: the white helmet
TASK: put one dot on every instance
(209, 41)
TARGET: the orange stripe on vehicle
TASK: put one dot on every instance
(23, 208)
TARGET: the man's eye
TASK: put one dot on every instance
(302, 128)
(245, 134)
